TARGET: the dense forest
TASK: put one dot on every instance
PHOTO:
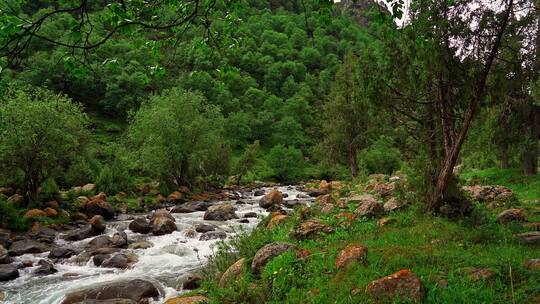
(124, 107)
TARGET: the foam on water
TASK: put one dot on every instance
(172, 256)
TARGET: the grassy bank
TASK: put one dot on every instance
(440, 251)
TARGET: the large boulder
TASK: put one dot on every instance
(162, 223)
(140, 225)
(267, 253)
(233, 272)
(351, 254)
(61, 253)
(402, 286)
(119, 260)
(50, 212)
(8, 272)
(221, 212)
(81, 233)
(119, 240)
(370, 209)
(27, 246)
(190, 207)
(98, 224)
(45, 268)
(136, 290)
(273, 198)
(98, 206)
(512, 215)
(310, 229)
(102, 241)
(192, 282)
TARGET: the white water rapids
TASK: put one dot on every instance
(172, 257)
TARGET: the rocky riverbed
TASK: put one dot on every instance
(152, 255)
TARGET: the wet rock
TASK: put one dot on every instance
(213, 235)
(250, 215)
(4, 256)
(119, 260)
(141, 245)
(78, 216)
(102, 241)
(98, 206)
(244, 221)
(403, 285)
(119, 240)
(106, 250)
(8, 272)
(512, 215)
(190, 207)
(232, 273)
(140, 225)
(267, 253)
(351, 254)
(291, 203)
(5, 238)
(45, 268)
(61, 253)
(135, 290)
(303, 196)
(98, 224)
(310, 229)
(221, 212)
(273, 198)
(532, 238)
(80, 234)
(27, 246)
(276, 220)
(98, 259)
(187, 300)
(190, 233)
(259, 192)
(162, 223)
(42, 233)
(370, 209)
(192, 282)
(203, 228)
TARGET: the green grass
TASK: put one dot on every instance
(525, 187)
(434, 248)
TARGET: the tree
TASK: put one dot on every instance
(247, 161)
(177, 138)
(349, 115)
(40, 133)
(287, 163)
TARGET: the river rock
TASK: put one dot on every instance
(351, 254)
(4, 256)
(213, 235)
(258, 192)
(140, 225)
(311, 228)
(141, 245)
(5, 238)
(403, 285)
(233, 272)
(27, 246)
(45, 268)
(221, 212)
(512, 215)
(192, 282)
(370, 209)
(250, 215)
(393, 204)
(135, 290)
(61, 253)
(119, 240)
(203, 228)
(99, 258)
(267, 253)
(102, 241)
(119, 260)
(8, 272)
(162, 224)
(190, 207)
(98, 224)
(273, 198)
(98, 206)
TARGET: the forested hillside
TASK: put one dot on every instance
(331, 127)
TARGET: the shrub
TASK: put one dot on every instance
(12, 218)
(49, 191)
(381, 157)
(105, 181)
(287, 163)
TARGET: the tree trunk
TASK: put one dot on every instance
(504, 162)
(530, 159)
(353, 164)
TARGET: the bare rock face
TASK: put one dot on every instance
(233, 272)
(403, 285)
(267, 253)
(221, 212)
(273, 198)
(135, 290)
(351, 254)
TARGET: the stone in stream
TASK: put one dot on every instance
(267, 253)
(135, 290)
(162, 223)
(140, 225)
(80, 234)
(98, 206)
(61, 253)
(98, 224)
(213, 235)
(102, 241)
(203, 228)
(99, 258)
(259, 192)
(250, 215)
(27, 246)
(192, 282)
(45, 268)
(4, 255)
(273, 198)
(8, 272)
(5, 237)
(119, 240)
(117, 261)
(190, 207)
(221, 212)
(141, 245)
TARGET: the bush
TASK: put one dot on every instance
(12, 218)
(381, 157)
(105, 181)
(287, 163)
(49, 191)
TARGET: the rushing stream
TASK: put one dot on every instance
(171, 258)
